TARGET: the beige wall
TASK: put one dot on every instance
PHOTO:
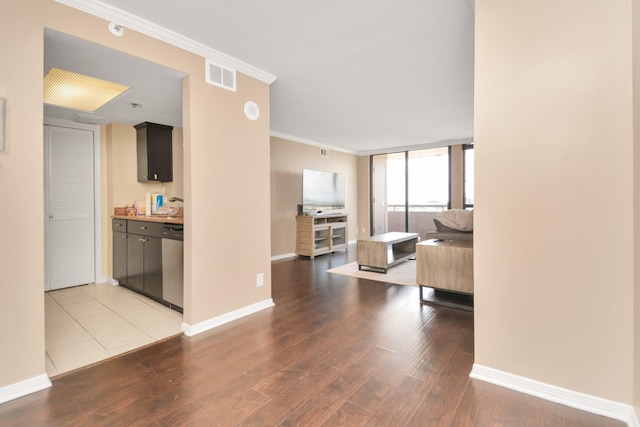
(364, 194)
(21, 192)
(554, 266)
(227, 238)
(636, 200)
(226, 243)
(288, 158)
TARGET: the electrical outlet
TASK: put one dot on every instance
(260, 280)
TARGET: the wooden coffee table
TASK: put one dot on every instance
(378, 253)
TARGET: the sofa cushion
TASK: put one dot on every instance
(457, 219)
(441, 228)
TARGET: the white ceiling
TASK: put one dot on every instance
(360, 75)
(157, 90)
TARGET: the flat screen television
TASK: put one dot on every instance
(322, 191)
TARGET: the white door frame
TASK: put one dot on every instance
(379, 206)
(97, 214)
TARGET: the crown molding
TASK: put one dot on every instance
(387, 150)
(309, 142)
(426, 145)
(141, 25)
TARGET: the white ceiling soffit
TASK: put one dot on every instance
(155, 93)
(358, 75)
(143, 26)
(310, 142)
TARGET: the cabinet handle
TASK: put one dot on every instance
(117, 225)
(124, 237)
(140, 239)
(143, 228)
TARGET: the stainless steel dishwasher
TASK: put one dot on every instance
(173, 265)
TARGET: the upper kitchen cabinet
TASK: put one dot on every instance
(155, 154)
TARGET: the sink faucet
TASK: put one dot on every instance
(175, 199)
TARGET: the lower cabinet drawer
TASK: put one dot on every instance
(145, 228)
(119, 225)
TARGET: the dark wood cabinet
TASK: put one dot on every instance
(120, 250)
(135, 263)
(155, 152)
(152, 266)
(144, 264)
(140, 256)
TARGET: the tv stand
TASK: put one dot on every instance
(320, 234)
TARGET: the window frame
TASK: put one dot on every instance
(466, 147)
(406, 181)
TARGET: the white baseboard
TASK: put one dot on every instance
(31, 385)
(112, 282)
(574, 399)
(293, 255)
(283, 256)
(191, 330)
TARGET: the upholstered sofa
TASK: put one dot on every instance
(454, 224)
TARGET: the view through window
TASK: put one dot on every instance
(416, 189)
(469, 170)
(428, 180)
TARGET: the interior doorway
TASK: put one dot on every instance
(70, 207)
(84, 324)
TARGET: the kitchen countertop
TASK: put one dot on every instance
(153, 218)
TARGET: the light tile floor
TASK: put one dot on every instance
(89, 323)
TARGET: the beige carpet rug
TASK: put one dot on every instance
(400, 274)
(405, 274)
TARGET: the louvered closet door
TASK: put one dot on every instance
(69, 207)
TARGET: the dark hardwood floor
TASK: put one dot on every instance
(334, 351)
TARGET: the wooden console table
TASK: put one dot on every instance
(320, 234)
(445, 265)
(380, 252)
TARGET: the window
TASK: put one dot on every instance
(428, 180)
(468, 176)
(396, 185)
(396, 192)
(408, 189)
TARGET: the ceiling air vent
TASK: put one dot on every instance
(86, 118)
(220, 76)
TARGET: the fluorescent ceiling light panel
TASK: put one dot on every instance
(77, 91)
